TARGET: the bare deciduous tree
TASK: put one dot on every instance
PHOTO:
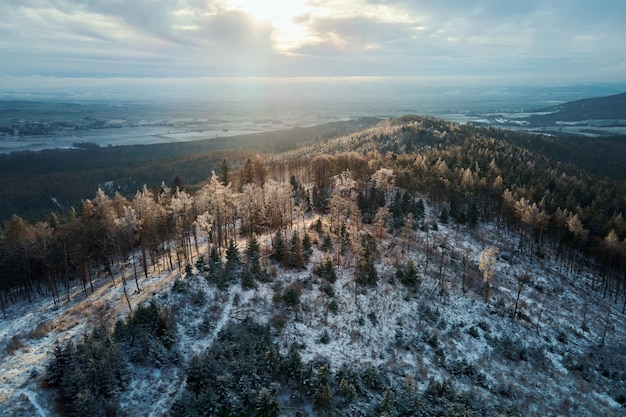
(487, 265)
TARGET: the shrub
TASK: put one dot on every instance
(89, 374)
(428, 314)
(14, 344)
(473, 331)
(291, 295)
(40, 331)
(408, 275)
(372, 317)
(149, 335)
(247, 280)
(178, 286)
(326, 270)
(328, 290)
(198, 298)
(225, 380)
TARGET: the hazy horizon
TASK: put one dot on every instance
(383, 95)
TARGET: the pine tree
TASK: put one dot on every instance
(253, 256)
(327, 244)
(225, 172)
(296, 259)
(85, 404)
(326, 270)
(344, 239)
(366, 274)
(324, 399)
(61, 360)
(279, 251)
(307, 246)
(216, 268)
(246, 175)
(233, 263)
(443, 216)
(266, 404)
(408, 275)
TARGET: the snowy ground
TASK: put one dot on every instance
(532, 363)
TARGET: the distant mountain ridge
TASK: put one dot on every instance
(597, 108)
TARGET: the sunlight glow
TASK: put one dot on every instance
(293, 21)
(272, 10)
(288, 32)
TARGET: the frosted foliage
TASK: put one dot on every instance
(575, 226)
(344, 183)
(487, 264)
(384, 179)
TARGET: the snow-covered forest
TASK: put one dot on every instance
(415, 268)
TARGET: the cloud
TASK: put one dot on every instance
(190, 38)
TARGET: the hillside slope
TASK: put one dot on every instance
(597, 108)
(415, 268)
(561, 355)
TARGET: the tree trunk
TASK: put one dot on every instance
(4, 313)
(135, 270)
(606, 325)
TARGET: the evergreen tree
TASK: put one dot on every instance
(148, 336)
(296, 259)
(307, 246)
(419, 209)
(320, 198)
(177, 184)
(246, 175)
(366, 274)
(318, 226)
(266, 404)
(89, 374)
(344, 239)
(279, 251)
(216, 268)
(233, 263)
(327, 244)
(443, 216)
(61, 361)
(253, 256)
(326, 270)
(85, 404)
(408, 275)
(224, 172)
(323, 399)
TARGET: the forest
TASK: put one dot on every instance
(33, 179)
(471, 174)
(342, 196)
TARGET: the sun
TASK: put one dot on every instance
(288, 32)
(272, 10)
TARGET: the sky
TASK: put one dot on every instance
(47, 43)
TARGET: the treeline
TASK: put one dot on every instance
(469, 176)
(32, 179)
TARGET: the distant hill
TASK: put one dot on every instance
(597, 108)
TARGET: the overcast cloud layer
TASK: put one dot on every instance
(529, 41)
